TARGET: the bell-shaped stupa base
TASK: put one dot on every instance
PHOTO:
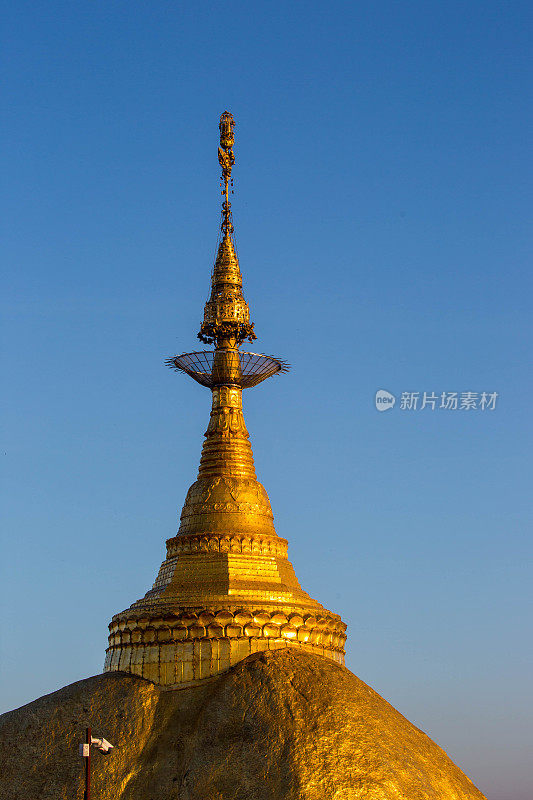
(226, 597)
(226, 588)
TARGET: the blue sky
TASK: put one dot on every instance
(382, 200)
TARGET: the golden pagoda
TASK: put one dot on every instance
(226, 588)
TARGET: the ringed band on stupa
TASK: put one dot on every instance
(226, 588)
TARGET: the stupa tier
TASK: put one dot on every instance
(226, 588)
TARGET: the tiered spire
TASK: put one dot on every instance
(226, 588)
(226, 314)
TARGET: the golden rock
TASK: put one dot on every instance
(281, 725)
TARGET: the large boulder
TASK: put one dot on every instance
(280, 725)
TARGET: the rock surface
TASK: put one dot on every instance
(281, 725)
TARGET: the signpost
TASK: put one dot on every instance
(87, 757)
(85, 752)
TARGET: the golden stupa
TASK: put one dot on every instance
(226, 588)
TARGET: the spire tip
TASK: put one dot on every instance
(226, 159)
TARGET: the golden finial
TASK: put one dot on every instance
(226, 314)
(226, 159)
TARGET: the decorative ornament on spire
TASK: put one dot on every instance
(226, 314)
(226, 159)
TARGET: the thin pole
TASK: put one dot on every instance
(87, 792)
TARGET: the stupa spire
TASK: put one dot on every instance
(226, 159)
(226, 588)
(226, 314)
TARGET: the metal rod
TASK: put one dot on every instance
(87, 792)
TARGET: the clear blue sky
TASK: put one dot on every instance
(382, 191)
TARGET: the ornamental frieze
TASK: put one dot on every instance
(261, 545)
(327, 632)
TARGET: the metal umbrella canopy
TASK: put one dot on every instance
(210, 371)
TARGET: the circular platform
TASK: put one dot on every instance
(253, 367)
